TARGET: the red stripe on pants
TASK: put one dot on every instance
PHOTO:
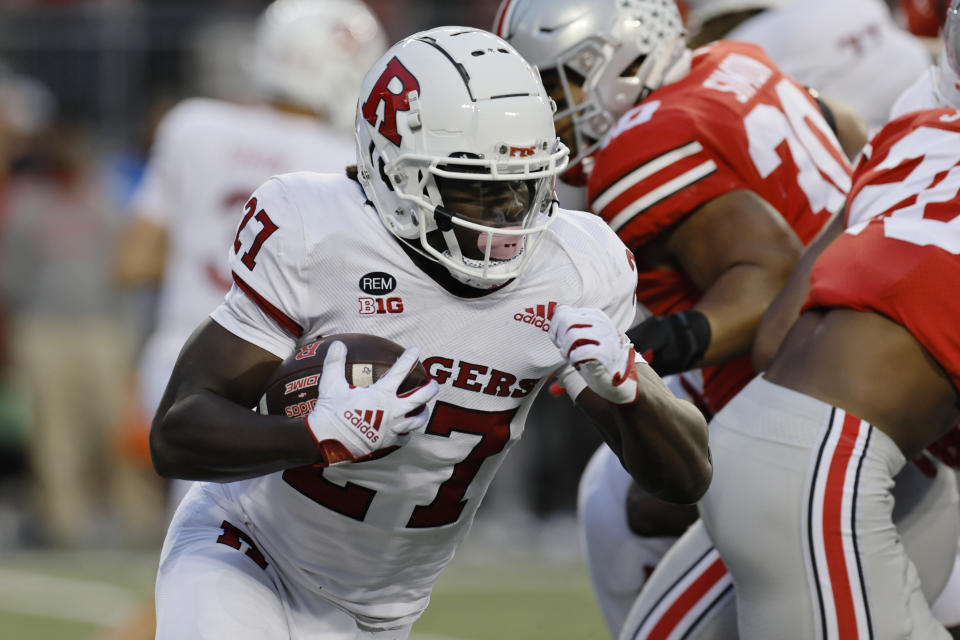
(687, 600)
(832, 534)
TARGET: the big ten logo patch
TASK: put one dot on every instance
(369, 306)
(378, 283)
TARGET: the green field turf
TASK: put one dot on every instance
(67, 596)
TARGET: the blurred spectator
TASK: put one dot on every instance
(25, 106)
(70, 342)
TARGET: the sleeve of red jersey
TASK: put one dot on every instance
(266, 261)
(651, 175)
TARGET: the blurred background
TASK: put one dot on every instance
(83, 85)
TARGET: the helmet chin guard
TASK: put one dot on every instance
(458, 109)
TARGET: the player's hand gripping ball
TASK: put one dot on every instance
(360, 395)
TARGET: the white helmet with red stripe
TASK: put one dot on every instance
(947, 72)
(456, 149)
(313, 53)
(616, 50)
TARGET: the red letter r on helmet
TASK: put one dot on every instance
(392, 102)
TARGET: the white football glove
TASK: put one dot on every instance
(349, 422)
(602, 354)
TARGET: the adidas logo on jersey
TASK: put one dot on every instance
(538, 316)
(367, 422)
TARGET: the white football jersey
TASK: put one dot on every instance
(850, 50)
(207, 159)
(314, 259)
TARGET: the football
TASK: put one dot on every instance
(292, 389)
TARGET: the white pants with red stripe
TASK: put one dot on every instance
(801, 509)
(214, 583)
(690, 595)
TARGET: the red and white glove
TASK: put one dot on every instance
(602, 354)
(350, 422)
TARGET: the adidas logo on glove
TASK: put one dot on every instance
(366, 422)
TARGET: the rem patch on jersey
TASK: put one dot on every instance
(377, 283)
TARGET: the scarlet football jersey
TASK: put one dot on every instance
(900, 254)
(733, 122)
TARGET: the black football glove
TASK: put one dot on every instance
(676, 341)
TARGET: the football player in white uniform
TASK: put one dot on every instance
(292, 536)
(306, 65)
(210, 154)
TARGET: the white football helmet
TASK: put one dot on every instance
(455, 136)
(313, 53)
(946, 74)
(601, 41)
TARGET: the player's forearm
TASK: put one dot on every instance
(784, 309)
(735, 304)
(660, 439)
(203, 436)
(665, 439)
